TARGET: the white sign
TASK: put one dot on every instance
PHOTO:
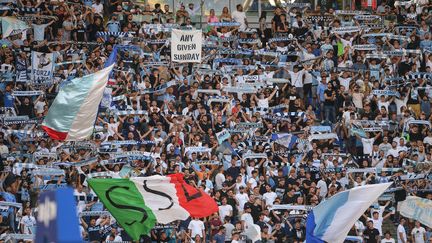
(186, 46)
(42, 67)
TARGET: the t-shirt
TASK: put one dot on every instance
(197, 227)
(391, 240)
(367, 145)
(370, 235)
(242, 199)
(297, 78)
(418, 234)
(401, 230)
(29, 223)
(239, 17)
(269, 197)
(247, 217)
(39, 31)
(225, 210)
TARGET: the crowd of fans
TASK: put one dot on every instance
(315, 100)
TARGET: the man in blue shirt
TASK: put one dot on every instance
(10, 187)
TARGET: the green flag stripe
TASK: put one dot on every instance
(125, 203)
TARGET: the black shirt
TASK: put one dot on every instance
(370, 235)
(329, 94)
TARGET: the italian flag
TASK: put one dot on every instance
(139, 203)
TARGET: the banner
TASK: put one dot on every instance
(186, 46)
(12, 26)
(417, 208)
(42, 67)
(57, 221)
(385, 93)
(222, 136)
(21, 70)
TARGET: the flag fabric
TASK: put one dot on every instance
(12, 26)
(57, 219)
(71, 116)
(139, 203)
(332, 219)
(285, 139)
(111, 60)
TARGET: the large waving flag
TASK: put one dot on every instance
(71, 116)
(138, 203)
(12, 26)
(332, 219)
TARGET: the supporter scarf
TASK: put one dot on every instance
(20, 122)
(222, 99)
(251, 155)
(361, 170)
(276, 118)
(239, 130)
(319, 18)
(159, 89)
(295, 5)
(10, 204)
(127, 142)
(27, 93)
(281, 39)
(197, 150)
(227, 60)
(290, 207)
(370, 47)
(372, 129)
(250, 125)
(244, 90)
(404, 3)
(359, 131)
(49, 172)
(234, 52)
(207, 162)
(366, 17)
(350, 12)
(249, 41)
(94, 213)
(320, 129)
(343, 30)
(99, 174)
(130, 112)
(116, 34)
(37, 155)
(385, 93)
(224, 24)
(323, 136)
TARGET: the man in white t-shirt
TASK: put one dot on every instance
(196, 227)
(418, 233)
(242, 198)
(246, 217)
(368, 143)
(401, 233)
(225, 209)
(240, 17)
(387, 238)
(28, 222)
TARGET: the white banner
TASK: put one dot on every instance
(42, 67)
(186, 46)
(417, 208)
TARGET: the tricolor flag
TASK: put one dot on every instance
(332, 219)
(12, 26)
(138, 203)
(71, 116)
